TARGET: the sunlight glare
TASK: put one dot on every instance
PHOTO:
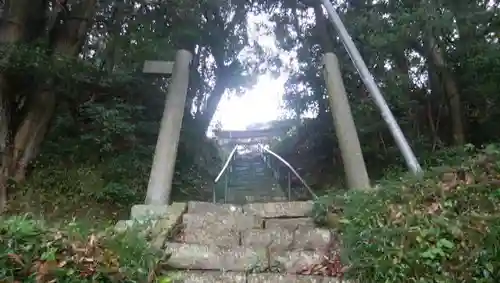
(259, 105)
(263, 102)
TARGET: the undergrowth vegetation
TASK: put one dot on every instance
(442, 228)
(95, 160)
(33, 251)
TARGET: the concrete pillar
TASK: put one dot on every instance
(162, 171)
(354, 164)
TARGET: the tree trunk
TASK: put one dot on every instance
(114, 26)
(66, 38)
(451, 91)
(22, 21)
(32, 130)
(205, 117)
(322, 28)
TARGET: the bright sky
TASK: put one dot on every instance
(260, 104)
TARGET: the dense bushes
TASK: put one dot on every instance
(30, 251)
(94, 162)
(445, 228)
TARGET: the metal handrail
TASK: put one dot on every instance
(291, 169)
(228, 160)
(224, 168)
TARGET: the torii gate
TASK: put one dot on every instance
(248, 137)
(162, 171)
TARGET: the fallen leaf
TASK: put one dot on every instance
(16, 258)
(433, 208)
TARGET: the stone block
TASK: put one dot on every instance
(290, 224)
(279, 209)
(198, 207)
(295, 261)
(146, 211)
(312, 239)
(334, 280)
(243, 258)
(164, 227)
(218, 235)
(282, 278)
(210, 257)
(207, 277)
(142, 226)
(194, 256)
(273, 238)
(123, 225)
(236, 221)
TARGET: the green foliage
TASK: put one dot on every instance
(393, 39)
(96, 158)
(443, 228)
(321, 208)
(31, 251)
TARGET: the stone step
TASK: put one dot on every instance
(244, 176)
(278, 238)
(248, 175)
(249, 167)
(198, 207)
(285, 209)
(248, 162)
(250, 185)
(290, 223)
(254, 199)
(247, 230)
(240, 277)
(242, 259)
(289, 278)
(241, 188)
(207, 277)
(280, 209)
(219, 230)
(237, 220)
(255, 194)
(249, 171)
(241, 163)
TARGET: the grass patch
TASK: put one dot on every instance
(32, 251)
(444, 228)
(85, 192)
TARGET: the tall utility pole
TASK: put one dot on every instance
(371, 85)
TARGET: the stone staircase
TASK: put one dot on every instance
(251, 181)
(256, 242)
(257, 236)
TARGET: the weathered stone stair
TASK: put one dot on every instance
(257, 242)
(251, 181)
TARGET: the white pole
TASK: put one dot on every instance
(367, 78)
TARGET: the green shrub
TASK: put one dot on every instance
(30, 251)
(444, 228)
